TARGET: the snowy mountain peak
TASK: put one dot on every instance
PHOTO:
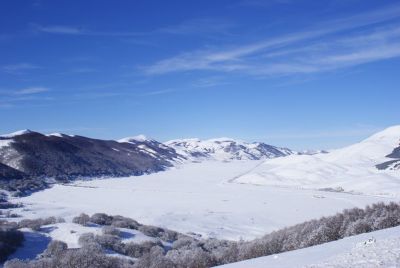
(222, 139)
(140, 138)
(373, 149)
(390, 134)
(16, 133)
(226, 149)
(56, 134)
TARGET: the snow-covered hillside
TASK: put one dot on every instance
(234, 199)
(369, 250)
(194, 197)
(226, 149)
(351, 169)
(65, 157)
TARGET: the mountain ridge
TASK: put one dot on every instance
(65, 158)
(226, 149)
(32, 155)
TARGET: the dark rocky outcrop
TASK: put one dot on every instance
(391, 164)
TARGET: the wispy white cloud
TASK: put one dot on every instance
(23, 91)
(211, 81)
(188, 27)
(30, 90)
(11, 98)
(79, 70)
(199, 26)
(74, 30)
(59, 29)
(158, 92)
(98, 95)
(262, 3)
(322, 49)
(19, 67)
(6, 105)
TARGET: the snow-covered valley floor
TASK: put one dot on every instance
(195, 197)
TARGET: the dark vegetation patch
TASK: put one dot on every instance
(68, 158)
(10, 239)
(36, 224)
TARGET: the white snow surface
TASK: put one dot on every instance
(56, 134)
(195, 197)
(140, 138)
(5, 143)
(351, 169)
(369, 250)
(242, 199)
(16, 133)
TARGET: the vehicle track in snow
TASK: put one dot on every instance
(232, 180)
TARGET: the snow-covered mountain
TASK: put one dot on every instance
(360, 168)
(153, 148)
(32, 155)
(368, 166)
(226, 149)
(63, 156)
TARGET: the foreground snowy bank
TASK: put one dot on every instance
(375, 249)
(124, 242)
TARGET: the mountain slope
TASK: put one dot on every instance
(9, 173)
(375, 249)
(226, 149)
(350, 169)
(152, 147)
(65, 157)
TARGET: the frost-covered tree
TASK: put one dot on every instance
(82, 219)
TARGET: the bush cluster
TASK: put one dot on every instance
(57, 255)
(36, 224)
(188, 252)
(349, 222)
(124, 222)
(82, 219)
(23, 187)
(4, 204)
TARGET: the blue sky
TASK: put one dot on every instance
(302, 74)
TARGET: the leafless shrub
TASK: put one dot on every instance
(136, 250)
(123, 222)
(190, 258)
(154, 259)
(36, 224)
(101, 219)
(82, 219)
(86, 238)
(159, 232)
(110, 230)
(55, 248)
